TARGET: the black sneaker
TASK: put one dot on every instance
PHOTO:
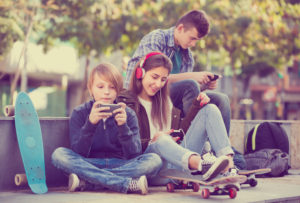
(212, 166)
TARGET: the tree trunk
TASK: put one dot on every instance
(83, 91)
(235, 100)
(20, 68)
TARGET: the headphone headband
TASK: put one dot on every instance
(147, 56)
(140, 71)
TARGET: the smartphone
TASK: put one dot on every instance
(112, 107)
(213, 78)
(178, 133)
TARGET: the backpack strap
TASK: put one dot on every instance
(254, 137)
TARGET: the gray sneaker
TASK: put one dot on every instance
(138, 186)
(75, 184)
(231, 172)
(212, 166)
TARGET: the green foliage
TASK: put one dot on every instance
(243, 32)
(10, 31)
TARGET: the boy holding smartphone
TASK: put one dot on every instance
(105, 141)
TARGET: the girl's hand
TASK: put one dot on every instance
(203, 98)
(120, 114)
(174, 138)
(97, 113)
(160, 133)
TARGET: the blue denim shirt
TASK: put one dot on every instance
(163, 41)
(104, 139)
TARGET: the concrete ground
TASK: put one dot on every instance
(283, 189)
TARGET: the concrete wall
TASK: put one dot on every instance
(55, 134)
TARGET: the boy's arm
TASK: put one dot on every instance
(129, 136)
(150, 42)
(81, 133)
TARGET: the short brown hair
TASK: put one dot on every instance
(109, 72)
(197, 19)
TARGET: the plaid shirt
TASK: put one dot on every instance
(163, 41)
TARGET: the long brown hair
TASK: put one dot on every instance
(160, 104)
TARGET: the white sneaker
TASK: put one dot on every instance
(209, 156)
(140, 185)
(73, 182)
(213, 166)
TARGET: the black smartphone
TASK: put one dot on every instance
(178, 133)
(215, 77)
(112, 107)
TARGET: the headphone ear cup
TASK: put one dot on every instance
(139, 73)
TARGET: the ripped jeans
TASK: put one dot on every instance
(207, 125)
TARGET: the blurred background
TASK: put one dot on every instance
(47, 48)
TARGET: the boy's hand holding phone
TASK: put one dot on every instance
(212, 83)
(120, 114)
(101, 111)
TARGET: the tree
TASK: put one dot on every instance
(252, 32)
(10, 30)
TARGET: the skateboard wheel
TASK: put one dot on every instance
(232, 193)
(196, 187)
(253, 182)
(170, 187)
(205, 193)
(9, 110)
(20, 179)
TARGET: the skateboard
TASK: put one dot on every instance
(251, 175)
(29, 136)
(217, 186)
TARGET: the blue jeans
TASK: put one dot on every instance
(207, 125)
(172, 155)
(170, 152)
(112, 173)
(184, 92)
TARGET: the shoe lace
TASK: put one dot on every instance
(133, 185)
(208, 158)
(231, 172)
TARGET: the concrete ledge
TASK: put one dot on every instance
(55, 134)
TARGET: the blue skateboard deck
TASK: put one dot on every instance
(30, 142)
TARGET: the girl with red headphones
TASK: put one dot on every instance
(148, 96)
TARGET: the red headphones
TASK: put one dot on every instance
(140, 71)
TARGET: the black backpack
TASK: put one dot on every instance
(267, 146)
(267, 135)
